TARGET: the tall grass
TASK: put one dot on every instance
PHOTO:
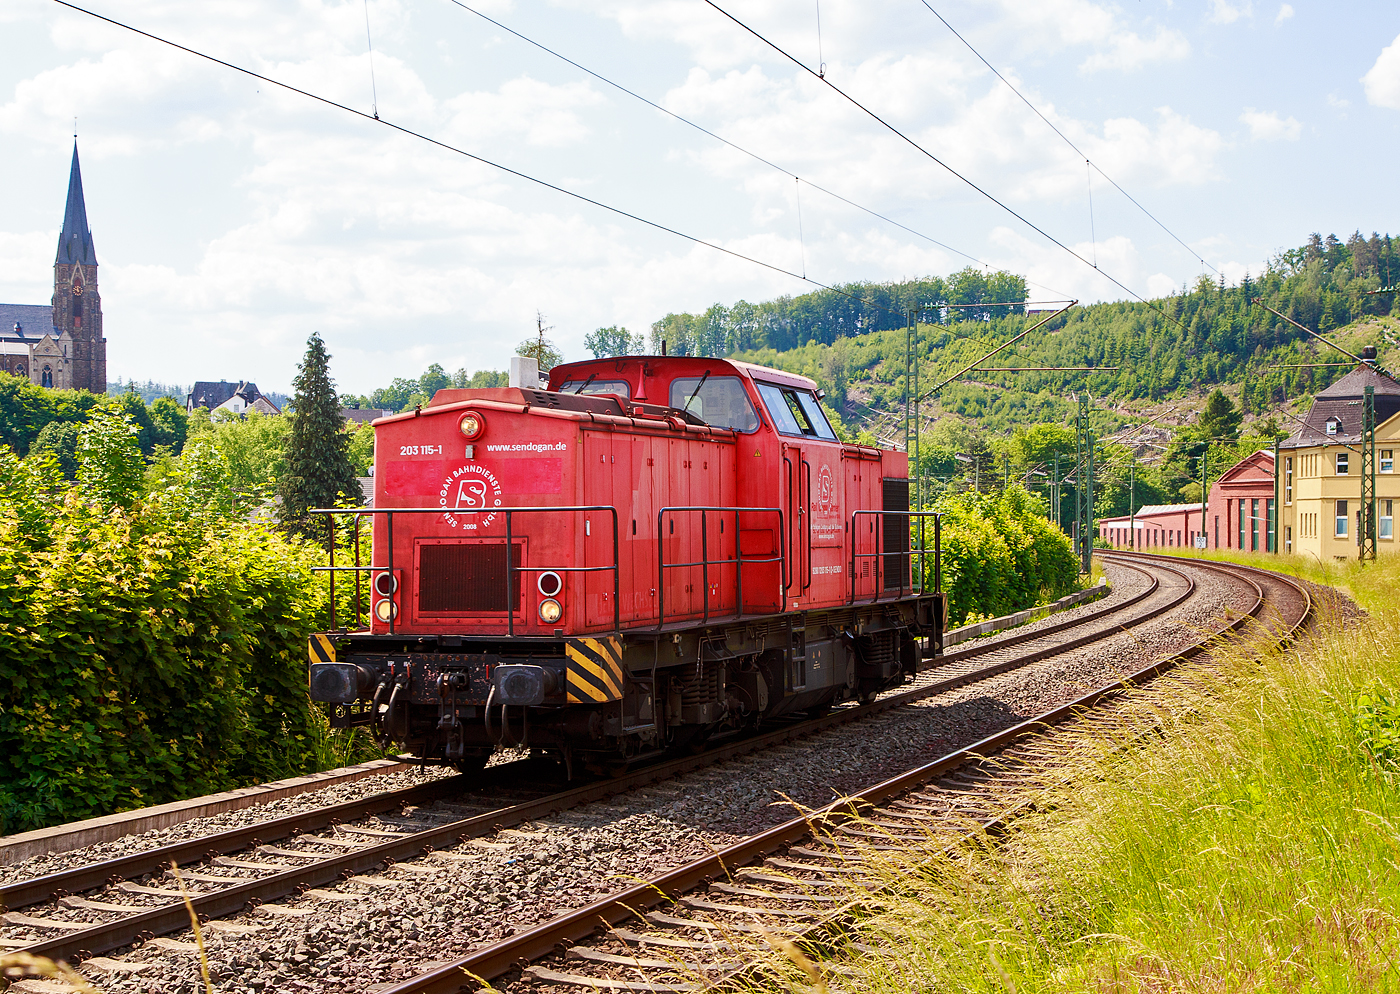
(1254, 847)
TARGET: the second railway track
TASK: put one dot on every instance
(704, 924)
(142, 911)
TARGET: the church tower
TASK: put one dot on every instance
(77, 304)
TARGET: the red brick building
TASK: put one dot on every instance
(1157, 526)
(1241, 512)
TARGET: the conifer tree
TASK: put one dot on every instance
(319, 471)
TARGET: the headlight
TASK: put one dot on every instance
(472, 425)
(386, 610)
(550, 611)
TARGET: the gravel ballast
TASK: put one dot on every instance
(395, 924)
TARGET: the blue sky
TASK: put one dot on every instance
(232, 220)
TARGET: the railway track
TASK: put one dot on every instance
(707, 923)
(96, 909)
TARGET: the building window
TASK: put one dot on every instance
(1217, 531)
(1387, 520)
(1332, 425)
(1288, 480)
(1271, 533)
(1254, 525)
(1387, 460)
(1287, 539)
(1341, 519)
(1239, 525)
(1342, 463)
(47, 378)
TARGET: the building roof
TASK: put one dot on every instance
(75, 243)
(207, 393)
(35, 321)
(1343, 402)
(361, 415)
(1152, 510)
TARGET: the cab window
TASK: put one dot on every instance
(795, 412)
(715, 400)
(619, 387)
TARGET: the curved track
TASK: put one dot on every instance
(700, 940)
(117, 912)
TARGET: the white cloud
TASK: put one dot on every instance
(1224, 12)
(1284, 13)
(1128, 50)
(1267, 126)
(1383, 81)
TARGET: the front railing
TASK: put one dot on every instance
(705, 562)
(882, 554)
(512, 570)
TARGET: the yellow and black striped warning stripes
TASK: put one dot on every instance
(595, 670)
(319, 648)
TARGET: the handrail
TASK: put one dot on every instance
(511, 568)
(706, 562)
(881, 552)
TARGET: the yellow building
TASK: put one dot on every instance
(1320, 469)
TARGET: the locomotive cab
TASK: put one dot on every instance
(651, 549)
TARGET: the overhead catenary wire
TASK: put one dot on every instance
(1052, 126)
(369, 44)
(935, 159)
(446, 146)
(731, 144)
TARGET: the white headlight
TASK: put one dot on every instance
(386, 610)
(550, 611)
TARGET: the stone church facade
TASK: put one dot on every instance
(61, 345)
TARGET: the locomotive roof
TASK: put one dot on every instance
(663, 364)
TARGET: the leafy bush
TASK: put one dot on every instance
(1000, 554)
(152, 647)
(1378, 725)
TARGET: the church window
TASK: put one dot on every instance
(48, 376)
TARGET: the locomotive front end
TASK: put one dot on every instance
(483, 558)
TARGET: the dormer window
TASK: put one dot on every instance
(1332, 425)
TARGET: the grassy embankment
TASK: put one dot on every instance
(1256, 847)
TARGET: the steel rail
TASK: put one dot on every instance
(498, 958)
(106, 936)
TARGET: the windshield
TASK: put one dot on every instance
(795, 412)
(618, 387)
(721, 401)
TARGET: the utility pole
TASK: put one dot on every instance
(1055, 490)
(1204, 493)
(1132, 503)
(1366, 537)
(1084, 486)
(1277, 515)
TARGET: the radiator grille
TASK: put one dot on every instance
(465, 578)
(895, 533)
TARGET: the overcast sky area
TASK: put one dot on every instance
(232, 218)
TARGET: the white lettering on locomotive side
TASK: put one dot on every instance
(472, 487)
(529, 447)
(420, 450)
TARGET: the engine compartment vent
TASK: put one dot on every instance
(465, 578)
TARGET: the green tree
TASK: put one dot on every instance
(60, 440)
(1220, 419)
(169, 424)
(318, 473)
(110, 467)
(605, 343)
(433, 380)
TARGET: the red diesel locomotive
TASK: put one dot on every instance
(651, 550)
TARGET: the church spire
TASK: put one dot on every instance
(75, 245)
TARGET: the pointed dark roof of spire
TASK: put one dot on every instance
(75, 242)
